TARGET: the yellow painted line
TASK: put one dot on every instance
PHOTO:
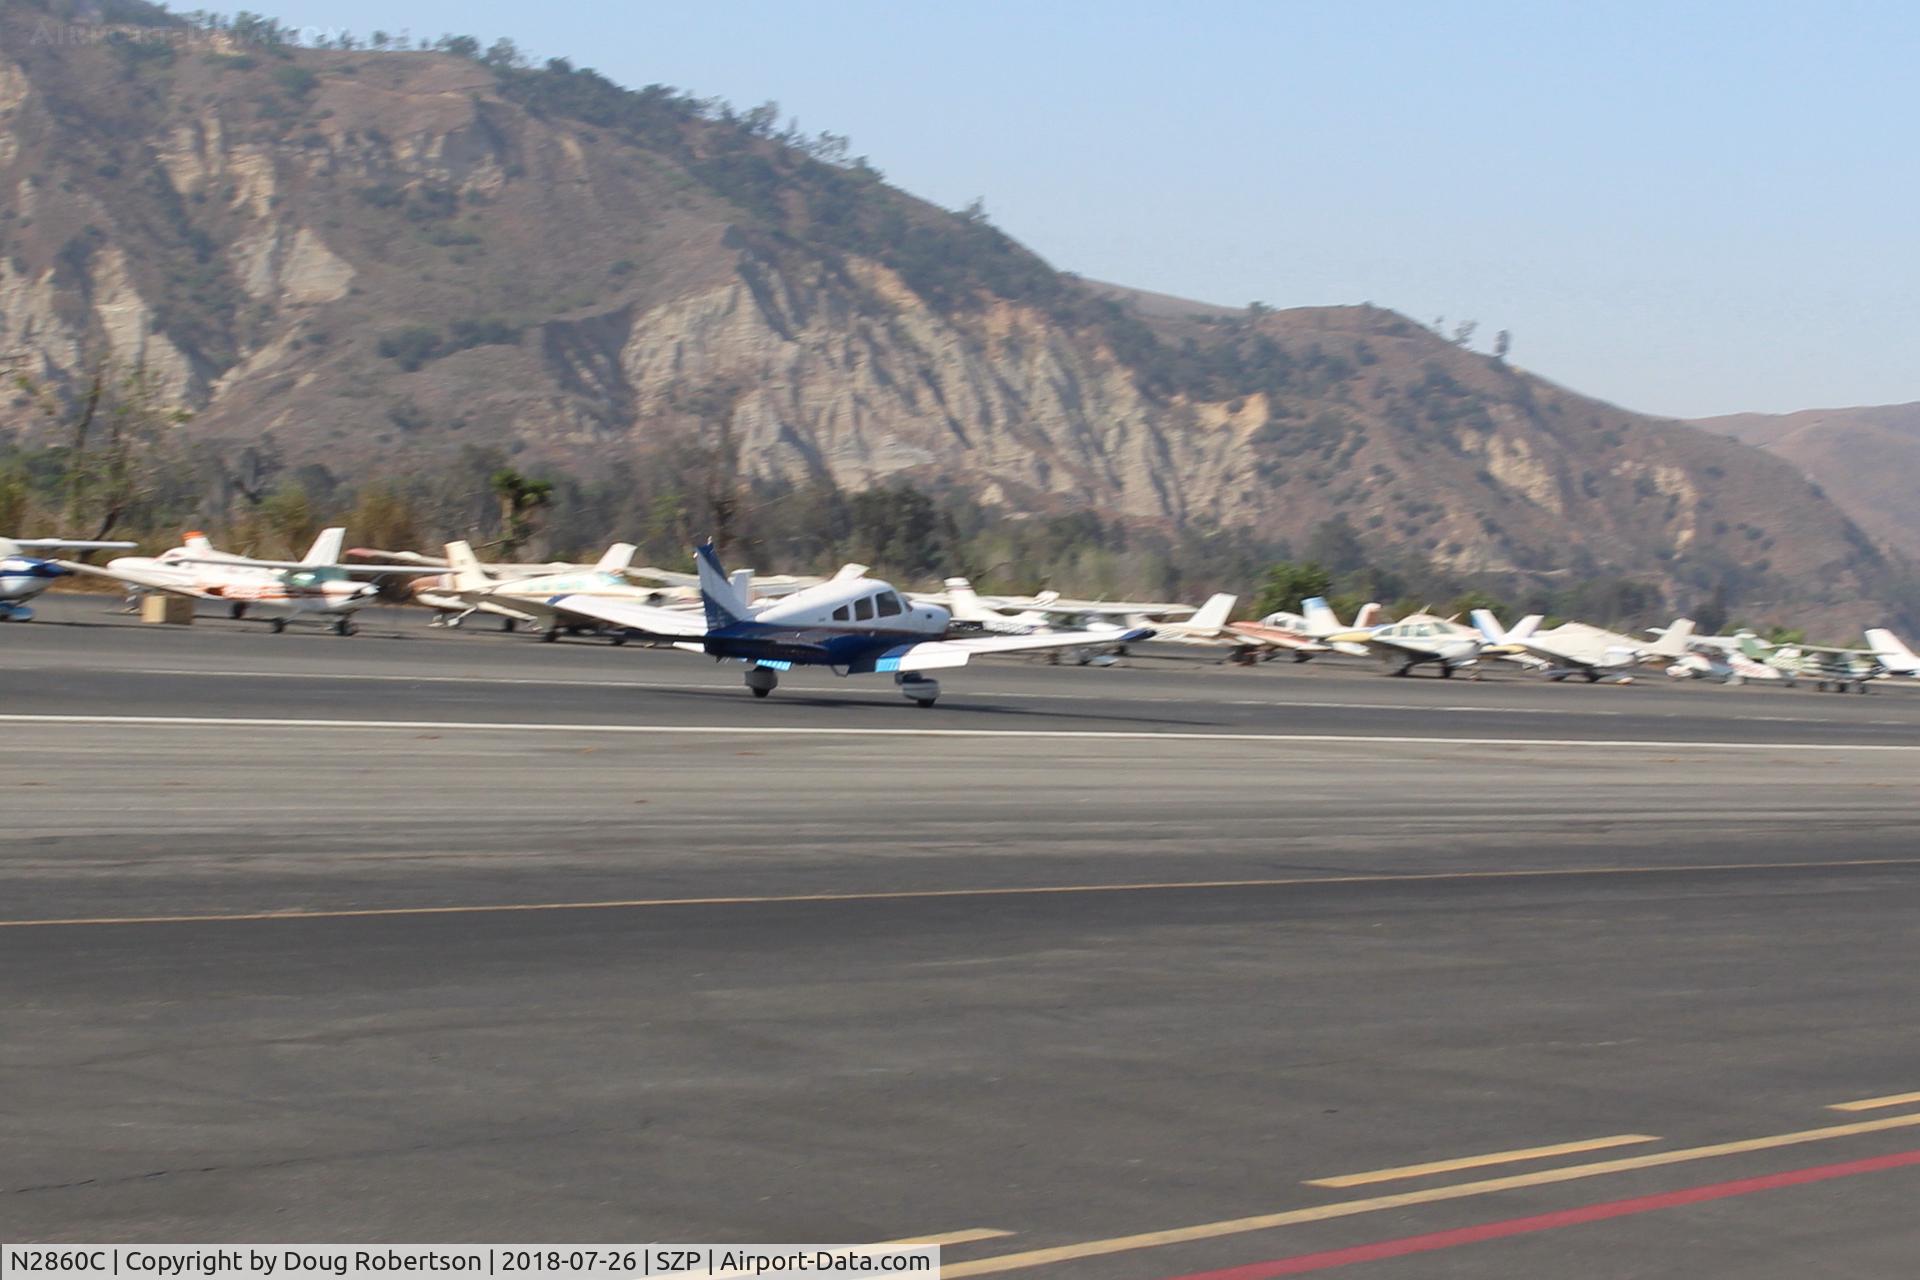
(1477, 1162)
(1874, 1104)
(949, 1237)
(1402, 1199)
(1007, 891)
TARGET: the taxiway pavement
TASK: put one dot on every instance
(472, 937)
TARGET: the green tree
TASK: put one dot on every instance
(384, 517)
(288, 515)
(520, 497)
(1287, 584)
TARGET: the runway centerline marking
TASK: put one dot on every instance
(851, 731)
(1301, 1264)
(1874, 1104)
(1402, 1199)
(1007, 891)
(1477, 1162)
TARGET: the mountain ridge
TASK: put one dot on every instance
(392, 260)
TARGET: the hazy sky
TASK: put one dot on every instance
(1686, 208)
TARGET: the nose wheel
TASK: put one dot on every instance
(762, 680)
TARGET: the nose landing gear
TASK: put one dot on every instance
(762, 680)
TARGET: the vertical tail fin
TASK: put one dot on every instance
(326, 548)
(723, 602)
(468, 575)
(1488, 626)
(1213, 614)
(1674, 641)
(618, 559)
(1321, 619)
(196, 541)
(1368, 616)
(1892, 651)
(1524, 629)
(963, 603)
(742, 580)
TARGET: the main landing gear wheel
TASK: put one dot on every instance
(278, 625)
(920, 690)
(507, 624)
(1446, 671)
(344, 627)
(762, 680)
(238, 609)
(550, 635)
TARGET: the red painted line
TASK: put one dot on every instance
(1300, 1264)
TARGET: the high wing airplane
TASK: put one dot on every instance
(1892, 653)
(1308, 633)
(1422, 638)
(1577, 649)
(23, 576)
(315, 584)
(973, 616)
(851, 626)
(1829, 668)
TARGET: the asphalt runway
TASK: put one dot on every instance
(1145, 972)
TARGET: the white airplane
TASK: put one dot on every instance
(23, 576)
(1308, 633)
(316, 584)
(851, 626)
(1419, 639)
(1577, 649)
(970, 611)
(1892, 653)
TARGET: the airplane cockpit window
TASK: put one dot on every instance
(843, 614)
(863, 608)
(890, 605)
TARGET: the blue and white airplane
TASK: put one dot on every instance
(23, 576)
(851, 626)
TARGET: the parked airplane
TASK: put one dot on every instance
(1577, 649)
(851, 626)
(1829, 668)
(1308, 633)
(23, 576)
(1419, 639)
(316, 584)
(1892, 653)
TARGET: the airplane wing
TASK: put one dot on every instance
(137, 578)
(1278, 637)
(648, 618)
(426, 570)
(67, 544)
(929, 655)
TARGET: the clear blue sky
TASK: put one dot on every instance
(1688, 209)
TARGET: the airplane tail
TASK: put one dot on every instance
(1892, 651)
(1524, 629)
(1320, 615)
(1754, 647)
(1488, 626)
(326, 548)
(1369, 615)
(1214, 613)
(742, 580)
(724, 603)
(468, 575)
(619, 558)
(196, 541)
(1674, 641)
(848, 572)
(962, 603)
